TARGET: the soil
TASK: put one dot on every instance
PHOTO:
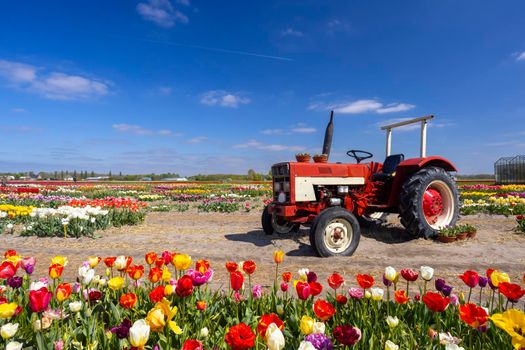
(238, 236)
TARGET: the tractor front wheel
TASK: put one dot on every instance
(429, 201)
(272, 223)
(335, 232)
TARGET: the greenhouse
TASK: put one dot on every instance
(510, 170)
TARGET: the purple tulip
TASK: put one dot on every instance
(482, 281)
(311, 277)
(446, 290)
(320, 341)
(122, 330)
(440, 283)
(386, 282)
(15, 282)
(491, 285)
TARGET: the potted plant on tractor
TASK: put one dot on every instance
(333, 199)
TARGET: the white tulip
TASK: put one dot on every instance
(9, 226)
(319, 327)
(14, 345)
(37, 285)
(75, 306)
(390, 273)
(86, 273)
(453, 347)
(306, 345)
(427, 273)
(391, 346)
(274, 337)
(377, 293)
(303, 274)
(392, 321)
(139, 333)
(204, 332)
(120, 262)
(8, 330)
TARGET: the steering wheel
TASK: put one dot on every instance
(359, 155)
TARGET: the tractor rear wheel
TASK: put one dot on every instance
(272, 223)
(429, 201)
(335, 232)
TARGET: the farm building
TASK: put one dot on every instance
(510, 170)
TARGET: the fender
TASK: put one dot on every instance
(410, 166)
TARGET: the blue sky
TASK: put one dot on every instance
(191, 86)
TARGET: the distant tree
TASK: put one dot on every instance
(109, 175)
(55, 175)
(251, 174)
(61, 174)
(120, 173)
(92, 173)
(75, 174)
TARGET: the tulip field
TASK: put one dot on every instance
(163, 301)
(186, 266)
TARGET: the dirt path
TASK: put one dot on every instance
(237, 237)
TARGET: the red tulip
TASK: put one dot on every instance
(110, 261)
(315, 288)
(231, 266)
(473, 315)
(184, 286)
(63, 292)
(236, 280)
(39, 299)
(287, 276)
(365, 281)
(341, 299)
(335, 280)
(471, 278)
(240, 337)
(191, 344)
(127, 301)
(249, 266)
(7, 270)
(201, 305)
(303, 290)
(435, 301)
(323, 310)
(135, 272)
(55, 271)
(409, 274)
(265, 321)
(202, 265)
(512, 291)
(156, 294)
(9, 253)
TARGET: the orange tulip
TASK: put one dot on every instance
(323, 310)
(201, 305)
(249, 266)
(401, 296)
(127, 301)
(278, 256)
(365, 281)
(155, 274)
(151, 257)
(55, 271)
(136, 271)
(63, 292)
(110, 261)
(287, 276)
(202, 266)
(473, 315)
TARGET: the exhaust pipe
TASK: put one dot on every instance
(327, 144)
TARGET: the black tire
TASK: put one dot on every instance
(411, 209)
(268, 225)
(320, 241)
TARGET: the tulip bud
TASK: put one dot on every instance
(427, 273)
(392, 321)
(391, 346)
(204, 332)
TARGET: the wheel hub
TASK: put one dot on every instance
(432, 205)
(337, 237)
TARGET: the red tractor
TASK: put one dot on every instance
(334, 198)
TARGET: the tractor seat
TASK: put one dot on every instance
(389, 167)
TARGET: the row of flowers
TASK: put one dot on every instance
(166, 302)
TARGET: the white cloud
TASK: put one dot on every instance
(184, 2)
(304, 130)
(161, 12)
(521, 56)
(18, 110)
(198, 139)
(55, 85)
(272, 132)
(292, 32)
(362, 106)
(337, 25)
(395, 107)
(267, 147)
(141, 131)
(223, 98)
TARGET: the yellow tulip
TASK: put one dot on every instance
(166, 274)
(174, 327)
(156, 320)
(497, 277)
(116, 283)
(15, 259)
(307, 325)
(93, 261)
(168, 290)
(182, 261)
(61, 260)
(7, 310)
(512, 321)
(278, 256)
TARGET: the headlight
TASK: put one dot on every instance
(286, 186)
(281, 198)
(342, 189)
(276, 186)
